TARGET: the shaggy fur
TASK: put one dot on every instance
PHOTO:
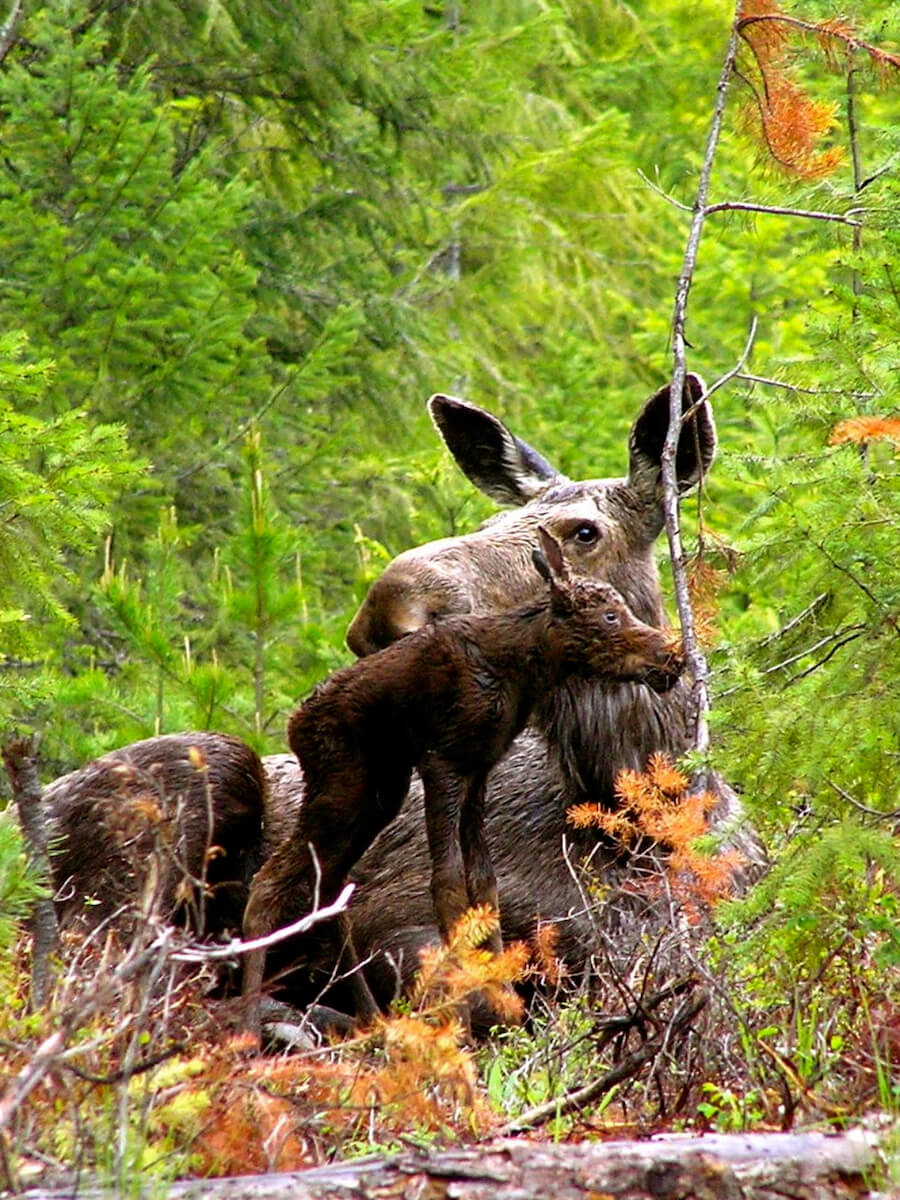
(447, 700)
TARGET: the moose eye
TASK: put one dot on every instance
(586, 533)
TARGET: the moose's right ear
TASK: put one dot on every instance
(495, 460)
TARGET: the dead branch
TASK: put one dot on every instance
(198, 953)
(626, 1069)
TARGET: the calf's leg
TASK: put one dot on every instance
(481, 881)
(340, 824)
(445, 791)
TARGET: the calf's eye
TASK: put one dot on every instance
(586, 533)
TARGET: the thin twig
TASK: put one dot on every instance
(822, 661)
(629, 1067)
(891, 815)
(806, 391)
(728, 376)
(837, 636)
(811, 610)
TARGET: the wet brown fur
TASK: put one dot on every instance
(171, 824)
(447, 700)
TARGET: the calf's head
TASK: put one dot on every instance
(605, 527)
(594, 631)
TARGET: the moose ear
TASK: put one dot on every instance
(495, 460)
(696, 445)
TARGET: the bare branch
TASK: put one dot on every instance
(735, 372)
(694, 655)
(236, 946)
(807, 391)
(665, 195)
(776, 210)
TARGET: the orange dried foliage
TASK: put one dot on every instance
(865, 429)
(794, 125)
(449, 973)
(546, 963)
(248, 1127)
(656, 804)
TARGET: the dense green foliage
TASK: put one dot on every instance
(251, 238)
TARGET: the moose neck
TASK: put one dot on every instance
(596, 728)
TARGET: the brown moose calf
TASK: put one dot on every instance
(447, 700)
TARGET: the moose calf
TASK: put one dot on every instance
(447, 700)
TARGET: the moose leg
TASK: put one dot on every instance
(268, 906)
(481, 881)
(444, 795)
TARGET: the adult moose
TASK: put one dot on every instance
(607, 529)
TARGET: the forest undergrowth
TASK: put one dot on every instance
(137, 1064)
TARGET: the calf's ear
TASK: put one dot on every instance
(540, 562)
(552, 554)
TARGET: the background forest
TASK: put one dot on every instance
(243, 242)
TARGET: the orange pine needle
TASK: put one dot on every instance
(864, 429)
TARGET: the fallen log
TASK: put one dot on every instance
(756, 1166)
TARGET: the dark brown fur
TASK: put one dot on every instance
(170, 825)
(447, 700)
(594, 729)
